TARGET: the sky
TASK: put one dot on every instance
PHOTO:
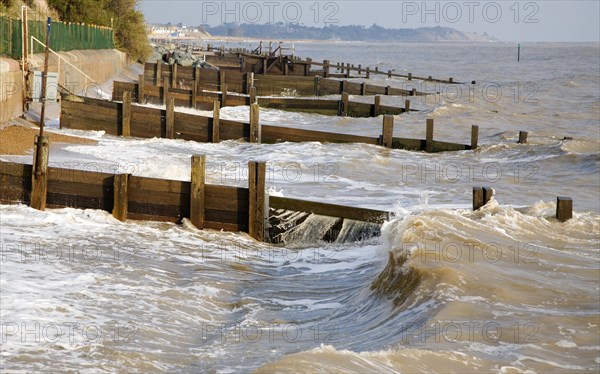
(522, 21)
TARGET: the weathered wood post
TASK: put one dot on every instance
(194, 97)
(388, 90)
(564, 208)
(413, 92)
(429, 135)
(39, 176)
(165, 90)
(450, 80)
(367, 72)
(407, 106)
(250, 81)
(430, 78)
(325, 68)
(252, 95)
(257, 212)
(344, 86)
(474, 136)
(158, 76)
(140, 93)
(170, 118)
(363, 88)
(359, 69)
(254, 124)
(197, 202)
(307, 66)
(224, 94)
(389, 73)
(410, 76)
(120, 196)
(126, 115)
(174, 75)
(376, 105)
(215, 121)
(481, 196)
(317, 85)
(387, 133)
(522, 137)
(343, 104)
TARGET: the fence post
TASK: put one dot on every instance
(387, 133)
(257, 212)
(410, 76)
(120, 196)
(307, 67)
(564, 208)
(254, 125)
(39, 176)
(317, 85)
(252, 95)
(343, 104)
(429, 135)
(126, 115)
(198, 177)
(522, 137)
(325, 68)
(165, 90)
(389, 73)
(406, 106)
(474, 136)
(363, 88)
(140, 93)
(376, 105)
(170, 118)
(367, 72)
(224, 94)
(215, 121)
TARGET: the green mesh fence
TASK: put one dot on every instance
(63, 37)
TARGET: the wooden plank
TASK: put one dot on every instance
(256, 209)
(39, 176)
(197, 198)
(120, 199)
(126, 115)
(330, 210)
(272, 134)
(429, 135)
(215, 122)
(474, 136)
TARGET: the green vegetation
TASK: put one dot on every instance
(128, 23)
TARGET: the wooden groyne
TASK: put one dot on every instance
(163, 75)
(236, 209)
(126, 119)
(203, 99)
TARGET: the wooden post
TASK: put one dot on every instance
(170, 118)
(387, 133)
(317, 85)
(407, 106)
(194, 93)
(120, 196)
(165, 90)
(264, 64)
(250, 80)
(344, 86)
(174, 75)
(564, 208)
(359, 69)
(488, 192)
(376, 105)
(522, 137)
(256, 212)
(474, 136)
(224, 94)
(325, 68)
(158, 77)
(198, 177)
(126, 115)
(450, 80)
(367, 73)
(377, 69)
(252, 95)
(215, 121)
(343, 105)
(221, 79)
(254, 125)
(388, 90)
(285, 67)
(477, 198)
(307, 67)
(429, 135)
(413, 92)
(39, 176)
(363, 88)
(430, 78)
(140, 93)
(389, 73)
(410, 76)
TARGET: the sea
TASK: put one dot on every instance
(443, 288)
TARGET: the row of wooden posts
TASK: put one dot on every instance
(386, 138)
(564, 205)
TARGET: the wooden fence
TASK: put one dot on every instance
(236, 209)
(126, 119)
(202, 99)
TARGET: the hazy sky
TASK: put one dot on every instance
(526, 21)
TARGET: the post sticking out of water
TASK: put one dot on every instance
(429, 135)
(39, 183)
(406, 106)
(170, 118)
(522, 137)
(481, 196)
(198, 178)
(254, 125)
(376, 105)
(126, 115)
(256, 187)
(387, 135)
(120, 196)
(474, 136)
(215, 121)
(564, 208)
(518, 52)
